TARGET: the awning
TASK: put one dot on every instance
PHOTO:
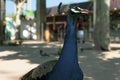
(114, 4)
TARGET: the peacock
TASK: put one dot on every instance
(66, 67)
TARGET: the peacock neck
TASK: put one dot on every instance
(68, 61)
(69, 51)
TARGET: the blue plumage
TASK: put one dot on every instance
(67, 67)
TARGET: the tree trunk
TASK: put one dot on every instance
(40, 18)
(101, 24)
(19, 4)
(2, 21)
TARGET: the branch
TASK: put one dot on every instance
(19, 1)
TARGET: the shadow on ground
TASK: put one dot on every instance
(96, 65)
(29, 52)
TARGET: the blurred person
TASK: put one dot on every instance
(80, 30)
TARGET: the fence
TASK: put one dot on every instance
(115, 35)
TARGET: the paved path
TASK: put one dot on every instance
(96, 65)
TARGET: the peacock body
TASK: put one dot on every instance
(66, 67)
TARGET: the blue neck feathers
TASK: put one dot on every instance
(67, 67)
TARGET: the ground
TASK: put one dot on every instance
(15, 61)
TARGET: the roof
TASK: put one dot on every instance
(85, 5)
(64, 8)
(114, 4)
(53, 10)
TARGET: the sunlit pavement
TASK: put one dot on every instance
(15, 61)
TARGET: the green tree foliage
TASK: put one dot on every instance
(12, 15)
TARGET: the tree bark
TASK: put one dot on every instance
(19, 4)
(40, 18)
(101, 24)
(2, 21)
